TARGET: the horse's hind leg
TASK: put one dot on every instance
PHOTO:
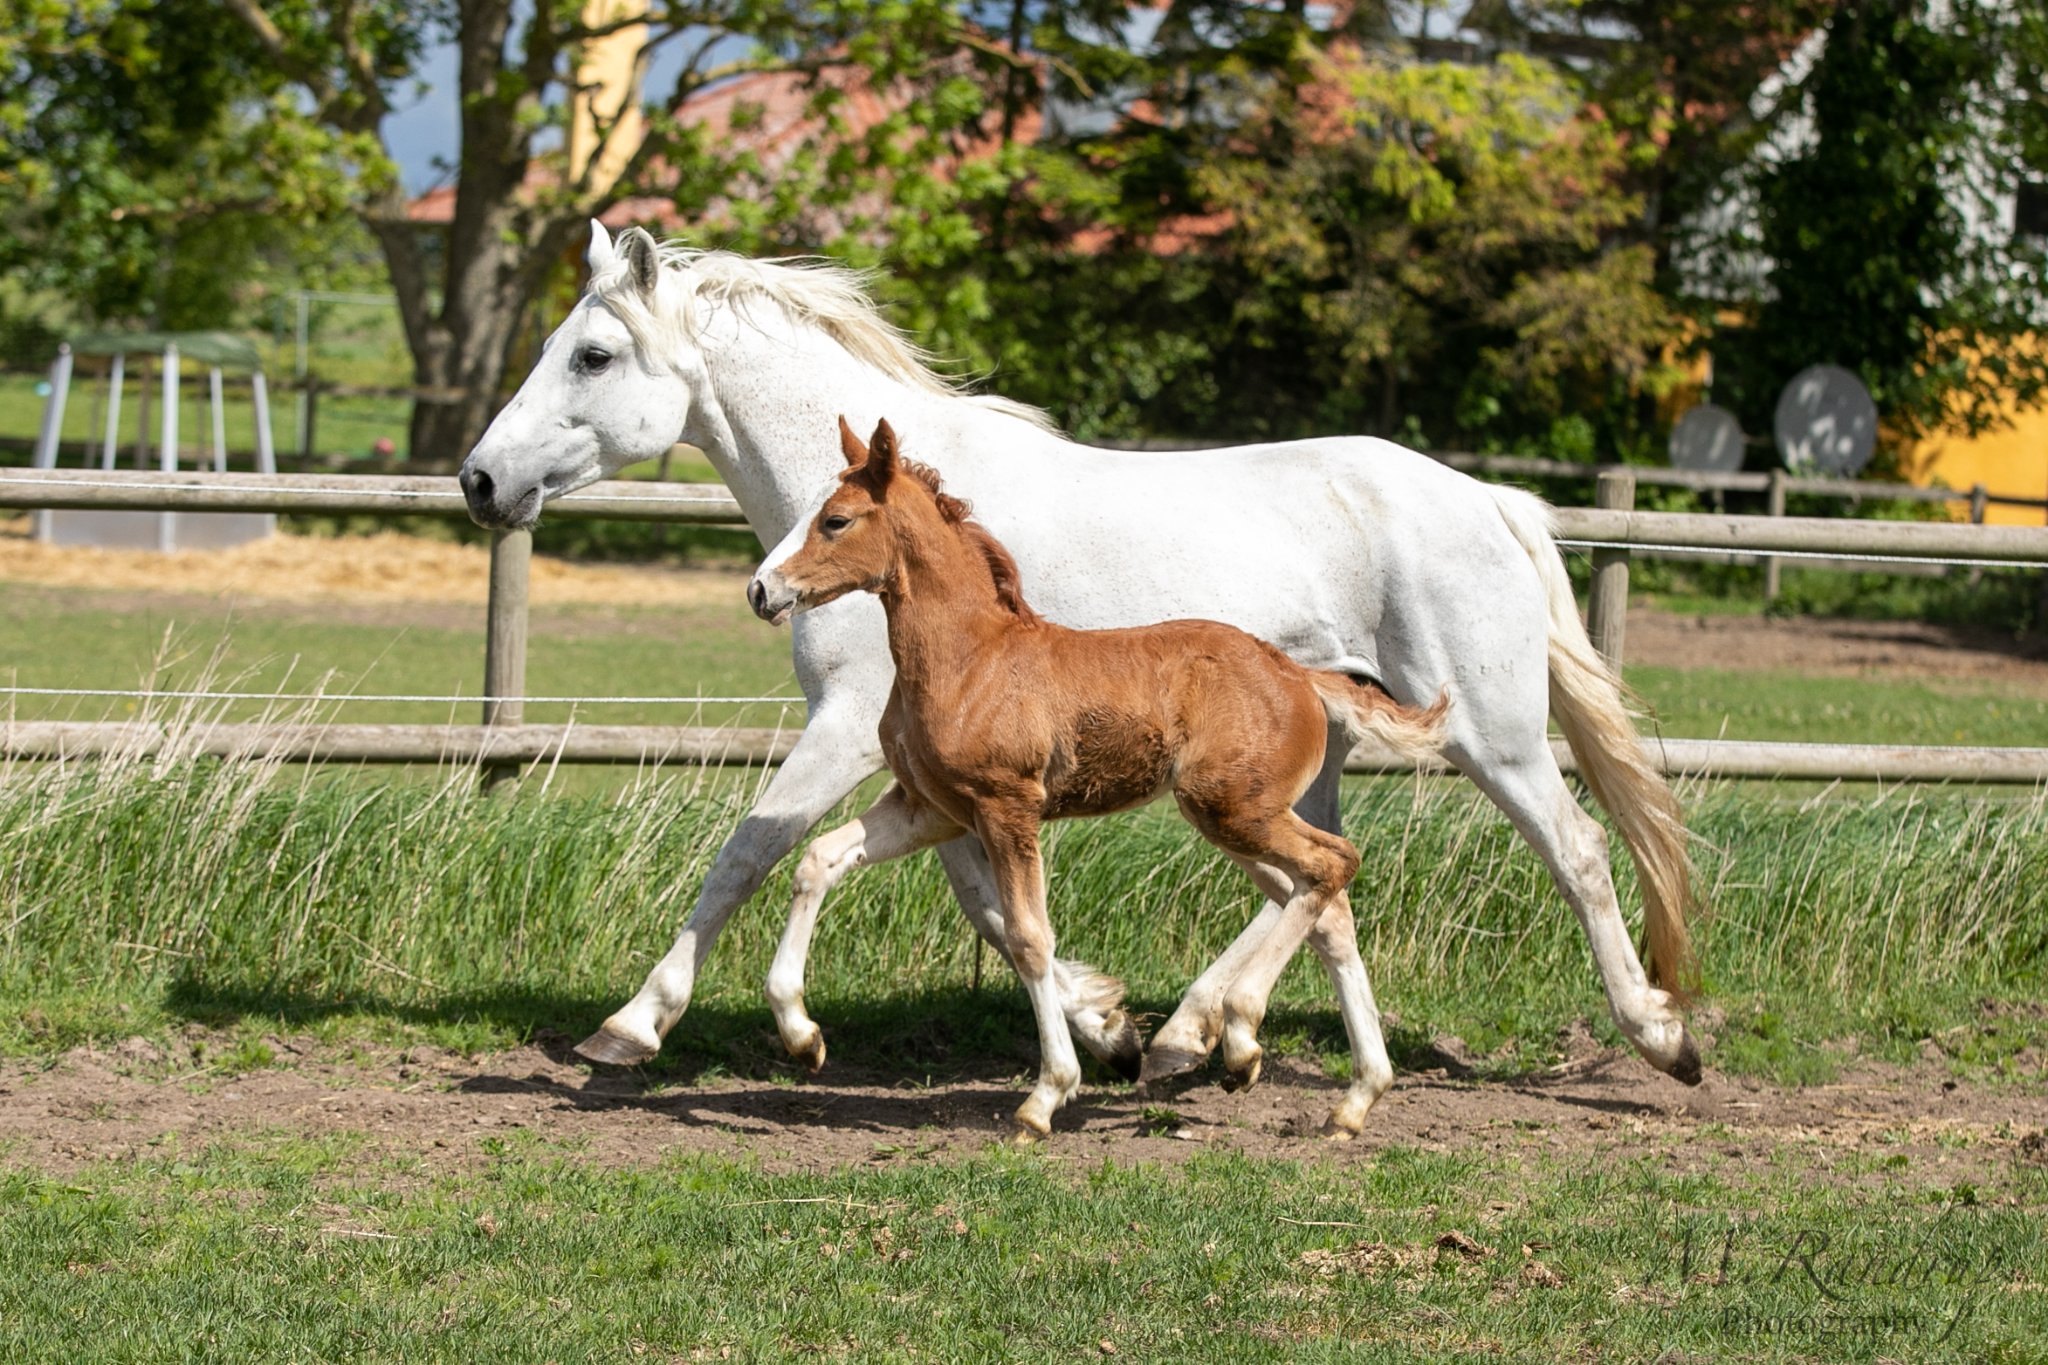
(1335, 939)
(890, 828)
(1532, 792)
(1091, 1000)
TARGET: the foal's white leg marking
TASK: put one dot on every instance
(834, 753)
(888, 829)
(1244, 1004)
(1020, 873)
(1184, 1040)
(1091, 1000)
(1573, 846)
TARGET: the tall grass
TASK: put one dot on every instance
(216, 887)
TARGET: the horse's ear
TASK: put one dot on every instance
(882, 454)
(643, 261)
(599, 254)
(850, 446)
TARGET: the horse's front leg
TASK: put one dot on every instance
(837, 749)
(1009, 832)
(1092, 999)
(891, 828)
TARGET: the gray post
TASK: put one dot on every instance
(505, 643)
(167, 453)
(52, 433)
(1607, 608)
(117, 378)
(1776, 508)
(1980, 498)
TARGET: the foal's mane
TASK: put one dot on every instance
(957, 514)
(809, 289)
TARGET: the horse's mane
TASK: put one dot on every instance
(809, 289)
(956, 513)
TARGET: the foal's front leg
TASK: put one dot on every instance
(1010, 835)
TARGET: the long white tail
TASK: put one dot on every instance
(1416, 734)
(1593, 709)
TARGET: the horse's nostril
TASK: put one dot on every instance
(757, 597)
(477, 486)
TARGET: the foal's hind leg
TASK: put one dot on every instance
(888, 829)
(1300, 867)
(1184, 1040)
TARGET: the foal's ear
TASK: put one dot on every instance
(850, 446)
(882, 454)
(643, 261)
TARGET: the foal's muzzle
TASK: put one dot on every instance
(773, 612)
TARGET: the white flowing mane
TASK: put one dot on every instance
(809, 289)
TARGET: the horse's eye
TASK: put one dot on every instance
(833, 525)
(592, 359)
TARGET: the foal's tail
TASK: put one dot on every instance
(1593, 709)
(1414, 733)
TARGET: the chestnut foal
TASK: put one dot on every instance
(1001, 720)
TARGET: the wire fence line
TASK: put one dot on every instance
(1611, 531)
(315, 698)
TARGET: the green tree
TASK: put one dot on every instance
(1879, 237)
(150, 160)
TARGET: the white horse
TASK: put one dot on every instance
(1349, 553)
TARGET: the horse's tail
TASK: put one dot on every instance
(1415, 733)
(1593, 708)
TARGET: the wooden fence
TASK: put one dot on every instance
(502, 742)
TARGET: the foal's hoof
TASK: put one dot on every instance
(1243, 1077)
(616, 1049)
(1341, 1128)
(1126, 1056)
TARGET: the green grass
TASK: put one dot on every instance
(134, 899)
(70, 638)
(67, 638)
(277, 1248)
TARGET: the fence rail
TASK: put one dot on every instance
(502, 742)
(498, 747)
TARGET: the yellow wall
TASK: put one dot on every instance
(2012, 460)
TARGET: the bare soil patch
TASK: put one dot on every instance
(1842, 648)
(441, 1108)
(383, 569)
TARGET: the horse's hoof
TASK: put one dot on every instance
(1243, 1077)
(812, 1053)
(615, 1049)
(1164, 1063)
(1685, 1068)
(1335, 1129)
(1127, 1055)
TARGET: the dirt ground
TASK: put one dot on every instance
(1820, 645)
(441, 1108)
(386, 568)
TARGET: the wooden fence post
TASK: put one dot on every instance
(1607, 608)
(505, 643)
(1776, 508)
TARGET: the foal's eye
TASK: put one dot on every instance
(592, 359)
(833, 525)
